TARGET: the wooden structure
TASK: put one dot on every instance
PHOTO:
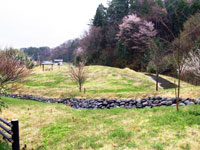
(12, 134)
(58, 61)
(47, 63)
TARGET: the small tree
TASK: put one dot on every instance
(179, 49)
(12, 67)
(156, 56)
(78, 74)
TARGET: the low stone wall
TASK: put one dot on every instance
(148, 102)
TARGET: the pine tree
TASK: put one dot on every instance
(117, 10)
(99, 19)
(195, 7)
(178, 11)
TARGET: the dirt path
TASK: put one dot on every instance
(165, 84)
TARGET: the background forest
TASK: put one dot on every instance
(140, 34)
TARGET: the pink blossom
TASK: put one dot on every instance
(135, 32)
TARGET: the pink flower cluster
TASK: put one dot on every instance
(135, 32)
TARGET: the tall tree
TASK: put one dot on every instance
(195, 7)
(117, 10)
(136, 33)
(100, 16)
(178, 11)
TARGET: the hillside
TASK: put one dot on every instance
(102, 81)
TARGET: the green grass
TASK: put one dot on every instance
(58, 127)
(4, 145)
(102, 81)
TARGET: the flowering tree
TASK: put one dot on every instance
(135, 32)
(192, 63)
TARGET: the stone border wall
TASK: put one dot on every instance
(148, 102)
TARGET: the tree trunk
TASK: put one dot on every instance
(178, 94)
(179, 76)
(80, 87)
(157, 77)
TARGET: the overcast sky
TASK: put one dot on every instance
(37, 23)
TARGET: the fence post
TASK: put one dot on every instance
(15, 136)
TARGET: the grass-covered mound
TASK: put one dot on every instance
(107, 82)
(56, 126)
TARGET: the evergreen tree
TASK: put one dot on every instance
(99, 19)
(145, 7)
(195, 7)
(134, 6)
(117, 10)
(178, 11)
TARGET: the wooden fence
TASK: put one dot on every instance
(10, 132)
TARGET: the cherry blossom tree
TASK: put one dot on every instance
(192, 63)
(135, 32)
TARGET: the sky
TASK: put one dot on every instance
(25, 23)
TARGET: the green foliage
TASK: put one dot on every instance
(123, 55)
(145, 7)
(99, 19)
(166, 16)
(37, 54)
(4, 146)
(151, 68)
(179, 11)
(195, 7)
(2, 91)
(117, 10)
(77, 60)
(23, 58)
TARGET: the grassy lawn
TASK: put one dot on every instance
(58, 127)
(107, 82)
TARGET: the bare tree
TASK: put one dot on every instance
(78, 74)
(156, 56)
(178, 51)
(11, 67)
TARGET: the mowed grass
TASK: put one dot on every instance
(106, 82)
(59, 127)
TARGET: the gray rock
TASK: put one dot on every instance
(138, 105)
(169, 103)
(145, 104)
(122, 103)
(198, 101)
(163, 103)
(156, 102)
(191, 103)
(181, 104)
